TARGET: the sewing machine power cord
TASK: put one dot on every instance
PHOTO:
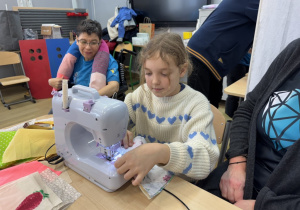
(53, 160)
(177, 198)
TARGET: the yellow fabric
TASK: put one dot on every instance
(42, 125)
(29, 143)
(38, 127)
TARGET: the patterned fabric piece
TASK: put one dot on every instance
(29, 192)
(61, 188)
(22, 170)
(5, 139)
(281, 118)
(155, 181)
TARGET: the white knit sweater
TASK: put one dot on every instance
(183, 122)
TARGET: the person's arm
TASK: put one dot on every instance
(233, 180)
(112, 78)
(138, 162)
(108, 90)
(100, 66)
(195, 152)
(234, 177)
(66, 67)
(242, 117)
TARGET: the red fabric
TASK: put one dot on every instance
(111, 45)
(24, 169)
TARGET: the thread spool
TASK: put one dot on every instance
(65, 93)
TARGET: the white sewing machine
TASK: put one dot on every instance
(88, 131)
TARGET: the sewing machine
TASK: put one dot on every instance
(88, 133)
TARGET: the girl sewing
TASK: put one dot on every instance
(174, 119)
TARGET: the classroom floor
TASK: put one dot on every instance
(28, 110)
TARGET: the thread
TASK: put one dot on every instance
(65, 93)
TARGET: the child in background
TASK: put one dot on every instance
(170, 115)
(99, 68)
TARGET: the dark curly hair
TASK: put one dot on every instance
(89, 26)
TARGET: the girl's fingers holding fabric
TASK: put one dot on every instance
(138, 179)
(119, 162)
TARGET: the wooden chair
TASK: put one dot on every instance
(11, 58)
(126, 46)
(222, 128)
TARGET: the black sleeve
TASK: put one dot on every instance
(269, 200)
(282, 190)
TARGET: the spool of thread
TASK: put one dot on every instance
(65, 93)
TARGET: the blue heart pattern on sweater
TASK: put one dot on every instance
(150, 115)
(160, 119)
(180, 118)
(135, 106)
(205, 136)
(190, 151)
(161, 142)
(185, 171)
(171, 120)
(151, 139)
(192, 135)
(187, 117)
(144, 108)
(214, 141)
(144, 136)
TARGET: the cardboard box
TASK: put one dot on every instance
(46, 30)
(51, 31)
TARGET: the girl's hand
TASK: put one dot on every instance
(128, 140)
(233, 180)
(245, 204)
(139, 161)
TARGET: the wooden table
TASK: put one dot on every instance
(130, 197)
(238, 88)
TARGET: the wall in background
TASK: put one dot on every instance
(105, 10)
(37, 3)
(215, 1)
(100, 10)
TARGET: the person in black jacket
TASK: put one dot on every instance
(220, 44)
(262, 171)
